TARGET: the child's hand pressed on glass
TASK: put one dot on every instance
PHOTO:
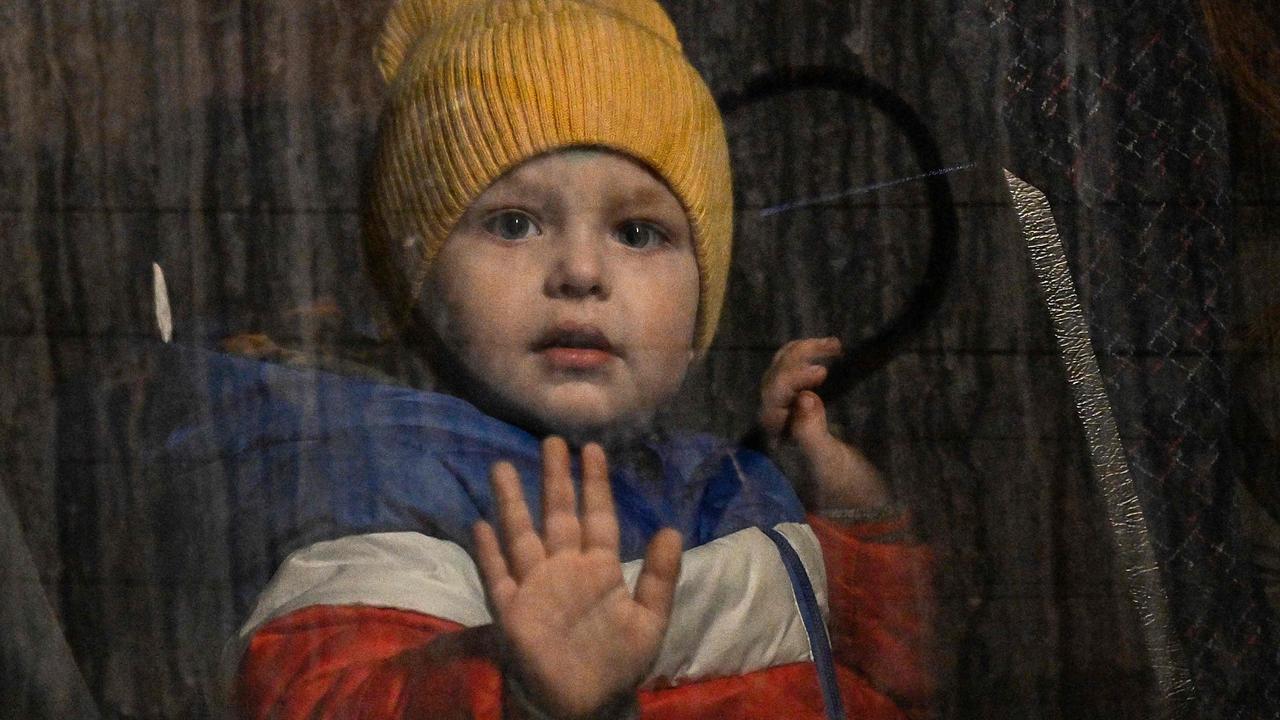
(795, 418)
(576, 636)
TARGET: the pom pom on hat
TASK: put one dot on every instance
(476, 87)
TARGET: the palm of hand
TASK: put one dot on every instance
(576, 629)
(576, 635)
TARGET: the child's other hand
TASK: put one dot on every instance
(576, 636)
(794, 417)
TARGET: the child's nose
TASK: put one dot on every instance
(578, 269)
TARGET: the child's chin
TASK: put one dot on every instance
(584, 421)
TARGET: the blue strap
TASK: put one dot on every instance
(811, 614)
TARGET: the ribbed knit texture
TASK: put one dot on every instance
(476, 88)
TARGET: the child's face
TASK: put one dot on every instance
(568, 294)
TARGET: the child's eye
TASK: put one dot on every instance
(640, 235)
(512, 225)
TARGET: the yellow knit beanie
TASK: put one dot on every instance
(476, 87)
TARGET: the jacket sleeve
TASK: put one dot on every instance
(351, 661)
(881, 601)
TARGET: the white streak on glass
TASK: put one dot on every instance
(164, 315)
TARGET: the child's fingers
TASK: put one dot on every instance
(656, 585)
(559, 507)
(784, 359)
(524, 548)
(784, 385)
(796, 365)
(599, 519)
(806, 351)
(493, 566)
(777, 398)
(795, 350)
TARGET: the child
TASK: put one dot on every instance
(550, 216)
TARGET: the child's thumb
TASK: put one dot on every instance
(809, 423)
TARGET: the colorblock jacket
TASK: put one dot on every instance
(367, 493)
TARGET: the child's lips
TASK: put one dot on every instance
(575, 347)
(572, 358)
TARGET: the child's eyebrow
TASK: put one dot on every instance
(649, 196)
(645, 199)
(517, 184)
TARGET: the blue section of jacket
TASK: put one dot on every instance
(305, 455)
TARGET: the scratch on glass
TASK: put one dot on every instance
(832, 197)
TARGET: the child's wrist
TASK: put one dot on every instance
(860, 514)
(867, 496)
(622, 707)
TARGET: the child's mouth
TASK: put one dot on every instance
(575, 347)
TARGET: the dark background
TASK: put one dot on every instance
(225, 141)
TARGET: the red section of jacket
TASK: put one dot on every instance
(364, 662)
